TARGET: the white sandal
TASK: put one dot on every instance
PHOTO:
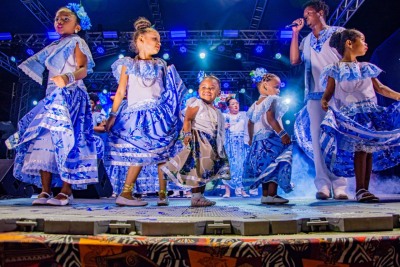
(60, 202)
(42, 200)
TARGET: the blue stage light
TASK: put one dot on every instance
(242, 91)
(178, 34)
(110, 35)
(53, 35)
(121, 56)
(182, 49)
(259, 49)
(13, 59)
(286, 34)
(100, 49)
(190, 91)
(34, 102)
(225, 85)
(287, 122)
(165, 56)
(221, 48)
(105, 91)
(231, 33)
(30, 52)
(238, 55)
(202, 55)
(278, 55)
(5, 36)
(283, 84)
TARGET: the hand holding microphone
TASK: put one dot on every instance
(296, 25)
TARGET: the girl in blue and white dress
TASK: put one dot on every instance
(236, 146)
(143, 131)
(269, 161)
(54, 143)
(358, 136)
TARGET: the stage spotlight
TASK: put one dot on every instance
(225, 85)
(221, 48)
(287, 100)
(34, 102)
(242, 91)
(182, 49)
(30, 52)
(190, 90)
(105, 91)
(5, 36)
(100, 50)
(287, 122)
(278, 55)
(283, 84)
(238, 55)
(53, 35)
(259, 49)
(13, 59)
(110, 35)
(165, 56)
(121, 56)
(202, 55)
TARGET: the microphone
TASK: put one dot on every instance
(294, 24)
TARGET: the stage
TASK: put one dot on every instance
(235, 232)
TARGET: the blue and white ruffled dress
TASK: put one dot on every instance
(57, 134)
(355, 122)
(268, 159)
(144, 132)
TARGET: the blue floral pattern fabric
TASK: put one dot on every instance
(268, 159)
(317, 43)
(236, 148)
(57, 134)
(359, 126)
(349, 72)
(144, 133)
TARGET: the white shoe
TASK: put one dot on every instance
(135, 202)
(42, 200)
(273, 200)
(60, 202)
(253, 192)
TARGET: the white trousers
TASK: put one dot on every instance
(324, 180)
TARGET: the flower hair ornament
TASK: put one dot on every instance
(200, 76)
(81, 14)
(258, 74)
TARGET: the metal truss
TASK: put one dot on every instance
(344, 12)
(38, 10)
(258, 13)
(156, 13)
(8, 65)
(25, 91)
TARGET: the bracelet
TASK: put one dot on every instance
(71, 77)
(113, 114)
(281, 133)
(188, 134)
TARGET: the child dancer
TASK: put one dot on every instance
(269, 161)
(144, 130)
(55, 144)
(357, 134)
(204, 158)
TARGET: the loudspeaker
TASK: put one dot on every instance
(101, 189)
(9, 186)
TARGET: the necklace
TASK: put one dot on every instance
(146, 71)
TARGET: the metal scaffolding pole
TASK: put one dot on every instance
(38, 10)
(344, 12)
